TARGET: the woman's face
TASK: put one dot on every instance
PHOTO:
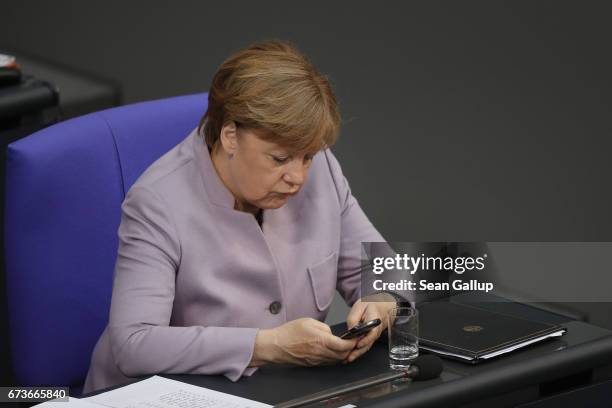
(262, 174)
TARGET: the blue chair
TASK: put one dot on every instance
(64, 189)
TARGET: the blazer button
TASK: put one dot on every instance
(275, 307)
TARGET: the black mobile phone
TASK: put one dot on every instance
(360, 329)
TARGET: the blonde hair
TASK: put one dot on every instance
(272, 88)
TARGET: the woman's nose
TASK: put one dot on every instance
(296, 173)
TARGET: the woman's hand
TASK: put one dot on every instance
(363, 310)
(305, 341)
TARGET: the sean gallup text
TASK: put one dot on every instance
(424, 285)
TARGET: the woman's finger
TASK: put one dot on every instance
(355, 354)
(355, 316)
(335, 343)
(370, 337)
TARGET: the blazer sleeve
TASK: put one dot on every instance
(142, 340)
(355, 228)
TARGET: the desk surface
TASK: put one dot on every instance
(584, 347)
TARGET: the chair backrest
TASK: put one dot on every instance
(64, 189)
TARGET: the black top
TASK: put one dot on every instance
(259, 217)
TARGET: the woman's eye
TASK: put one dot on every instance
(279, 159)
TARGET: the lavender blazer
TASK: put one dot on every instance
(195, 279)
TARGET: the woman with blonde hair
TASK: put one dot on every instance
(232, 244)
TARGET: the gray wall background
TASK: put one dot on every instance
(463, 121)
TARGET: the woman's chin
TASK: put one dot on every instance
(275, 202)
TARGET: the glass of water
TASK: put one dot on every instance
(403, 328)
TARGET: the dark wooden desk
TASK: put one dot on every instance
(580, 358)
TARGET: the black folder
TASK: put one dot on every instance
(472, 335)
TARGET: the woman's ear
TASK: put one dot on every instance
(229, 138)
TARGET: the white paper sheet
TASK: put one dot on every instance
(159, 392)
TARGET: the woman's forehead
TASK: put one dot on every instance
(257, 139)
